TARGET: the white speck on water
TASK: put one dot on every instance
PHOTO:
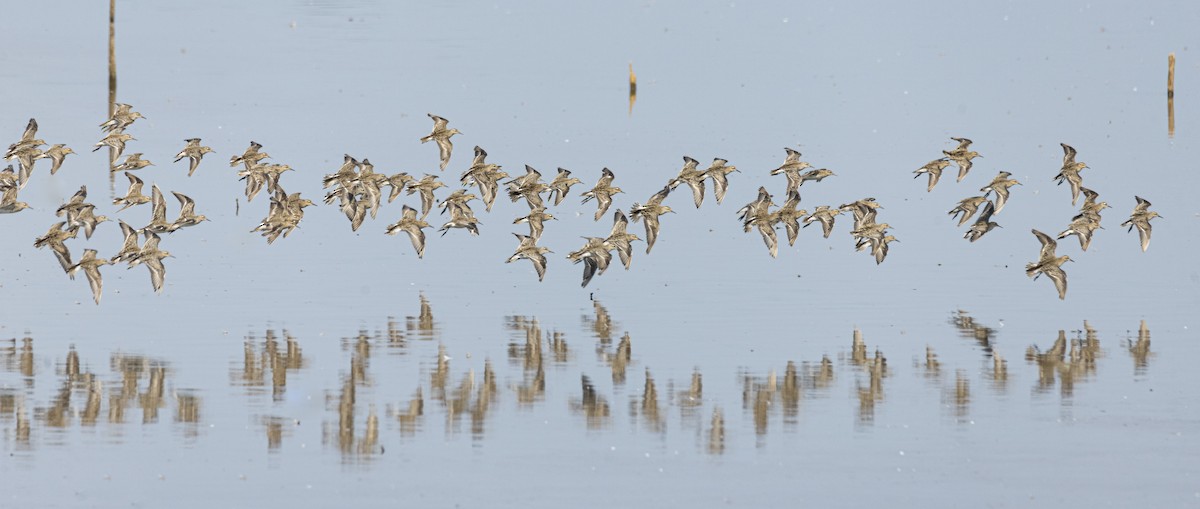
(785, 20)
(1005, 17)
(902, 453)
(647, 455)
(905, 92)
(1135, 89)
(567, 141)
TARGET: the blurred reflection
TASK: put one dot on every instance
(619, 359)
(601, 325)
(187, 412)
(872, 393)
(276, 429)
(968, 328)
(1140, 350)
(959, 398)
(267, 358)
(716, 433)
(1057, 364)
(410, 417)
(691, 399)
(933, 368)
(71, 394)
(999, 372)
(423, 326)
(19, 359)
(592, 406)
(527, 353)
(650, 411)
(346, 435)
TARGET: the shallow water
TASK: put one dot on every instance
(334, 365)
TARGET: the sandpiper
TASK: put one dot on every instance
(54, 238)
(9, 203)
(250, 157)
(759, 207)
(484, 175)
(603, 193)
(425, 186)
(77, 200)
(122, 117)
(134, 195)
(864, 211)
(152, 256)
(1000, 185)
(934, 169)
(791, 168)
(649, 214)
(116, 140)
(56, 154)
(410, 224)
(719, 172)
(826, 216)
(961, 156)
(1049, 264)
(1083, 227)
(1070, 171)
(398, 181)
(132, 162)
(91, 268)
(529, 250)
(982, 225)
(130, 248)
(536, 218)
(187, 212)
(194, 152)
(790, 217)
(458, 201)
(461, 219)
(620, 240)
(84, 217)
(691, 176)
(595, 255)
(158, 214)
(1140, 219)
(442, 136)
(967, 208)
(561, 185)
(880, 249)
(528, 186)
(28, 140)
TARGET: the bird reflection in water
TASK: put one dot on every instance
(268, 357)
(876, 369)
(716, 433)
(1064, 367)
(650, 411)
(526, 352)
(1139, 350)
(592, 406)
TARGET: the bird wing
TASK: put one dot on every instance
(94, 280)
(444, 148)
(1048, 245)
(157, 272)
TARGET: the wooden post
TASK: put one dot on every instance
(1171, 95)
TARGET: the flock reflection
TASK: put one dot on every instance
(43, 395)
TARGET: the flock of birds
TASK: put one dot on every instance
(358, 190)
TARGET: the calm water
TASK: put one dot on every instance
(335, 366)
